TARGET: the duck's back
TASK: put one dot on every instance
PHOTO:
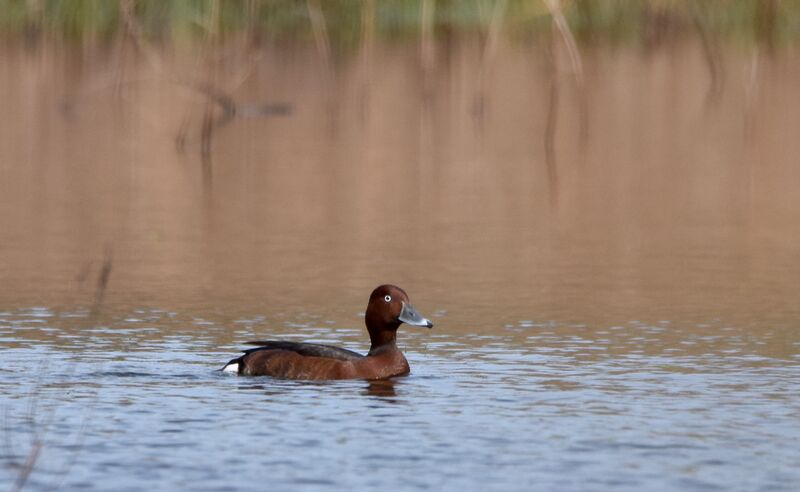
(293, 360)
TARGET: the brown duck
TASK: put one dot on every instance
(388, 308)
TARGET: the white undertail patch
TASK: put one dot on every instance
(232, 367)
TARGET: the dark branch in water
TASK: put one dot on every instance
(103, 277)
(206, 134)
(214, 94)
(229, 107)
(210, 124)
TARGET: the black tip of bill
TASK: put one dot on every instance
(410, 316)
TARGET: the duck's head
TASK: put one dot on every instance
(388, 308)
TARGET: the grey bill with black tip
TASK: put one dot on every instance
(410, 316)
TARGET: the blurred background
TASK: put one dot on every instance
(596, 202)
(570, 160)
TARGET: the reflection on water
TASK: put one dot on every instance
(614, 283)
(382, 389)
(668, 206)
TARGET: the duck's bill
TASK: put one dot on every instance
(410, 316)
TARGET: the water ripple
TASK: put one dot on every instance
(569, 407)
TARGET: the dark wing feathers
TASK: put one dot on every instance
(307, 349)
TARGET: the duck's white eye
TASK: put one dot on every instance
(387, 298)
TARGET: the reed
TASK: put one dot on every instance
(771, 23)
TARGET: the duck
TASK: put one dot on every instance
(387, 309)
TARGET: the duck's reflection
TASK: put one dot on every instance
(382, 388)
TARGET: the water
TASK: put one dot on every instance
(618, 313)
(530, 405)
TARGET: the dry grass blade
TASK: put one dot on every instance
(322, 40)
(752, 88)
(27, 468)
(554, 6)
(557, 14)
(31, 421)
(489, 55)
(126, 8)
(712, 56)
(37, 421)
(550, 134)
(427, 50)
(495, 28)
(366, 44)
(212, 22)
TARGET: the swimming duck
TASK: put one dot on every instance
(387, 309)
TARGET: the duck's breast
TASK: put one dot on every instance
(382, 366)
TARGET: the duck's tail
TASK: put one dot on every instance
(232, 366)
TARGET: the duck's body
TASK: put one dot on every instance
(388, 308)
(312, 361)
